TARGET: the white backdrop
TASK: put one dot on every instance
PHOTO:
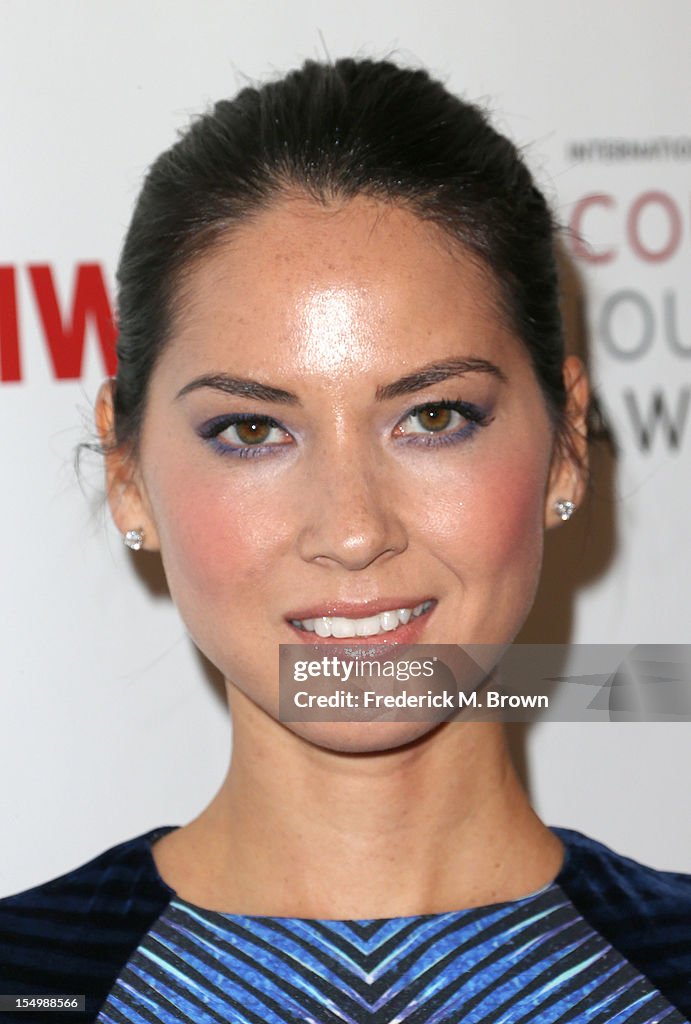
(109, 724)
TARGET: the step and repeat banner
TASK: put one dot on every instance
(112, 723)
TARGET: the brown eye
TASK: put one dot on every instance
(434, 418)
(245, 434)
(253, 431)
(441, 418)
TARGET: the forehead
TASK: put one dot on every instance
(336, 286)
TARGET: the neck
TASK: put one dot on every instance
(300, 831)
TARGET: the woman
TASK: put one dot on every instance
(343, 410)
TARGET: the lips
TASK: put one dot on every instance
(390, 621)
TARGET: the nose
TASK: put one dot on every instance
(350, 515)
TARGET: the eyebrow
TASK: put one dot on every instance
(242, 386)
(433, 373)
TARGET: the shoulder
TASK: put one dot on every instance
(616, 881)
(73, 933)
(642, 912)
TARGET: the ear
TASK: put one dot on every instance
(569, 470)
(127, 498)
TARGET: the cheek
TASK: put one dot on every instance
(510, 521)
(488, 517)
(217, 540)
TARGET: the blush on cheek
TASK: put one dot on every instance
(494, 508)
(513, 542)
(515, 510)
(214, 545)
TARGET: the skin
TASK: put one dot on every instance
(351, 498)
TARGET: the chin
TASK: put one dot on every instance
(363, 737)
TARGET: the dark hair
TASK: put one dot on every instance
(335, 131)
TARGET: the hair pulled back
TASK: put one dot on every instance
(333, 132)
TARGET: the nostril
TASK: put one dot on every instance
(353, 537)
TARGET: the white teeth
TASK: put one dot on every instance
(367, 627)
(343, 627)
(371, 625)
(389, 620)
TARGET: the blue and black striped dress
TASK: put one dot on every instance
(608, 941)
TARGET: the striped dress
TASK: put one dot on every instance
(608, 941)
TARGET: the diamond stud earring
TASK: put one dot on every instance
(564, 509)
(134, 539)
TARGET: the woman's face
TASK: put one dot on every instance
(341, 430)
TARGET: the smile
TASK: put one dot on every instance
(372, 625)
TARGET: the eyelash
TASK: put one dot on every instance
(474, 416)
(210, 432)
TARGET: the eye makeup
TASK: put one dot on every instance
(438, 423)
(443, 422)
(253, 434)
